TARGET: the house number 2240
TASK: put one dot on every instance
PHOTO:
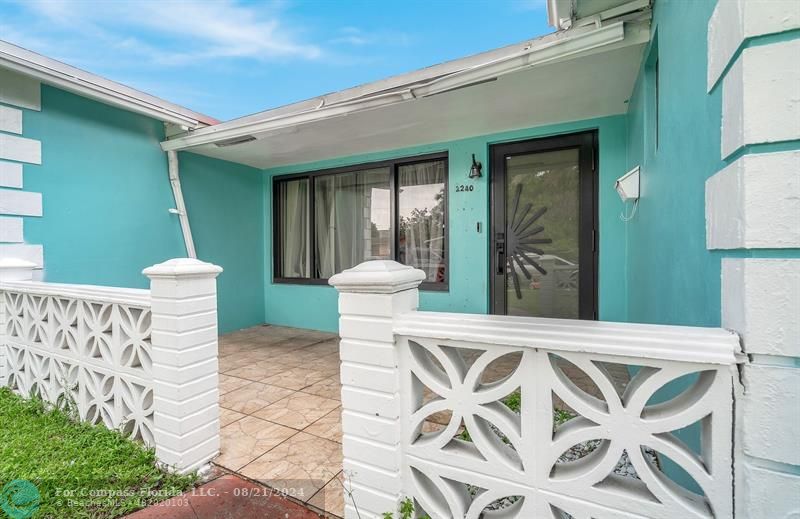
(463, 188)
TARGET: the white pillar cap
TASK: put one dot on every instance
(182, 267)
(377, 277)
(15, 269)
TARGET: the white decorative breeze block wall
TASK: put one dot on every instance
(754, 203)
(140, 361)
(401, 367)
(18, 93)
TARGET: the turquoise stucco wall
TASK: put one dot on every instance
(106, 192)
(672, 278)
(668, 233)
(226, 208)
(316, 307)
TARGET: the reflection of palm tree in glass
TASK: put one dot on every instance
(521, 240)
(421, 240)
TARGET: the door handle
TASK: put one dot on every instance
(500, 260)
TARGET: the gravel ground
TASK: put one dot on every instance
(623, 468)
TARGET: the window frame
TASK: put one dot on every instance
(394, 194)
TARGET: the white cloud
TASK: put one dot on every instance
(356, 37)
(179, 31)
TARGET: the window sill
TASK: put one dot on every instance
(424, 287)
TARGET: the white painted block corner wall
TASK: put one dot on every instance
(370, 295)
(754, 204)
(760, 103)
(18, 94)
(734, 21)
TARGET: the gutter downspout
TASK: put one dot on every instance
(180, 206)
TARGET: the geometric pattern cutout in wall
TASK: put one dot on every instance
(531, 433)
(90, 357)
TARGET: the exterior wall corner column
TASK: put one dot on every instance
(754, 203)
(371, 296)
(185, 362)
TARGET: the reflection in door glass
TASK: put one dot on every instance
(542, 234)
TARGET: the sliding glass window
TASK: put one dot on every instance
(332, 220)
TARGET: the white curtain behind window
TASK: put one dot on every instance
(294, 228)
(348, 226)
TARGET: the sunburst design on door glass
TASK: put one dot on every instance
(522, 240)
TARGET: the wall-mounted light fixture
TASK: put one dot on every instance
(475, 170)
(627, 187)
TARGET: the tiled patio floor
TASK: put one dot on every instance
(281, 412)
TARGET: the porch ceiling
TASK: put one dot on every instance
(581, 86)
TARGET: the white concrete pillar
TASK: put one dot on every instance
(371, 295)
(761, 301)
(185, 363)
(753, 203)
(11, 269)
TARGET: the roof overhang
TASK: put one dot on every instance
(89, 85)
(564, 14)
(581, 73)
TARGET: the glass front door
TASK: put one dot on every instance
(543, 228)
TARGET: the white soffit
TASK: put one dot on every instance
(595, 84)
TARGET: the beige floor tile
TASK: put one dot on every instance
(287, 358)
(299, 342)
(328, 427)
(245, 440)
(258, 371)
(330, 498)
(304, 463)
(320, 336)
(231, 348)
(295, 357)
(228, 416)
(238, 360)
(284, 332)
(298, 410)
(229, 383)
(327, 367)
(324, 348)
(295, 378)
(243, 334)
(253, 397)
(310, 355)
(330, 387)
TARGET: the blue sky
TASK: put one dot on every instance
(228, 58)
